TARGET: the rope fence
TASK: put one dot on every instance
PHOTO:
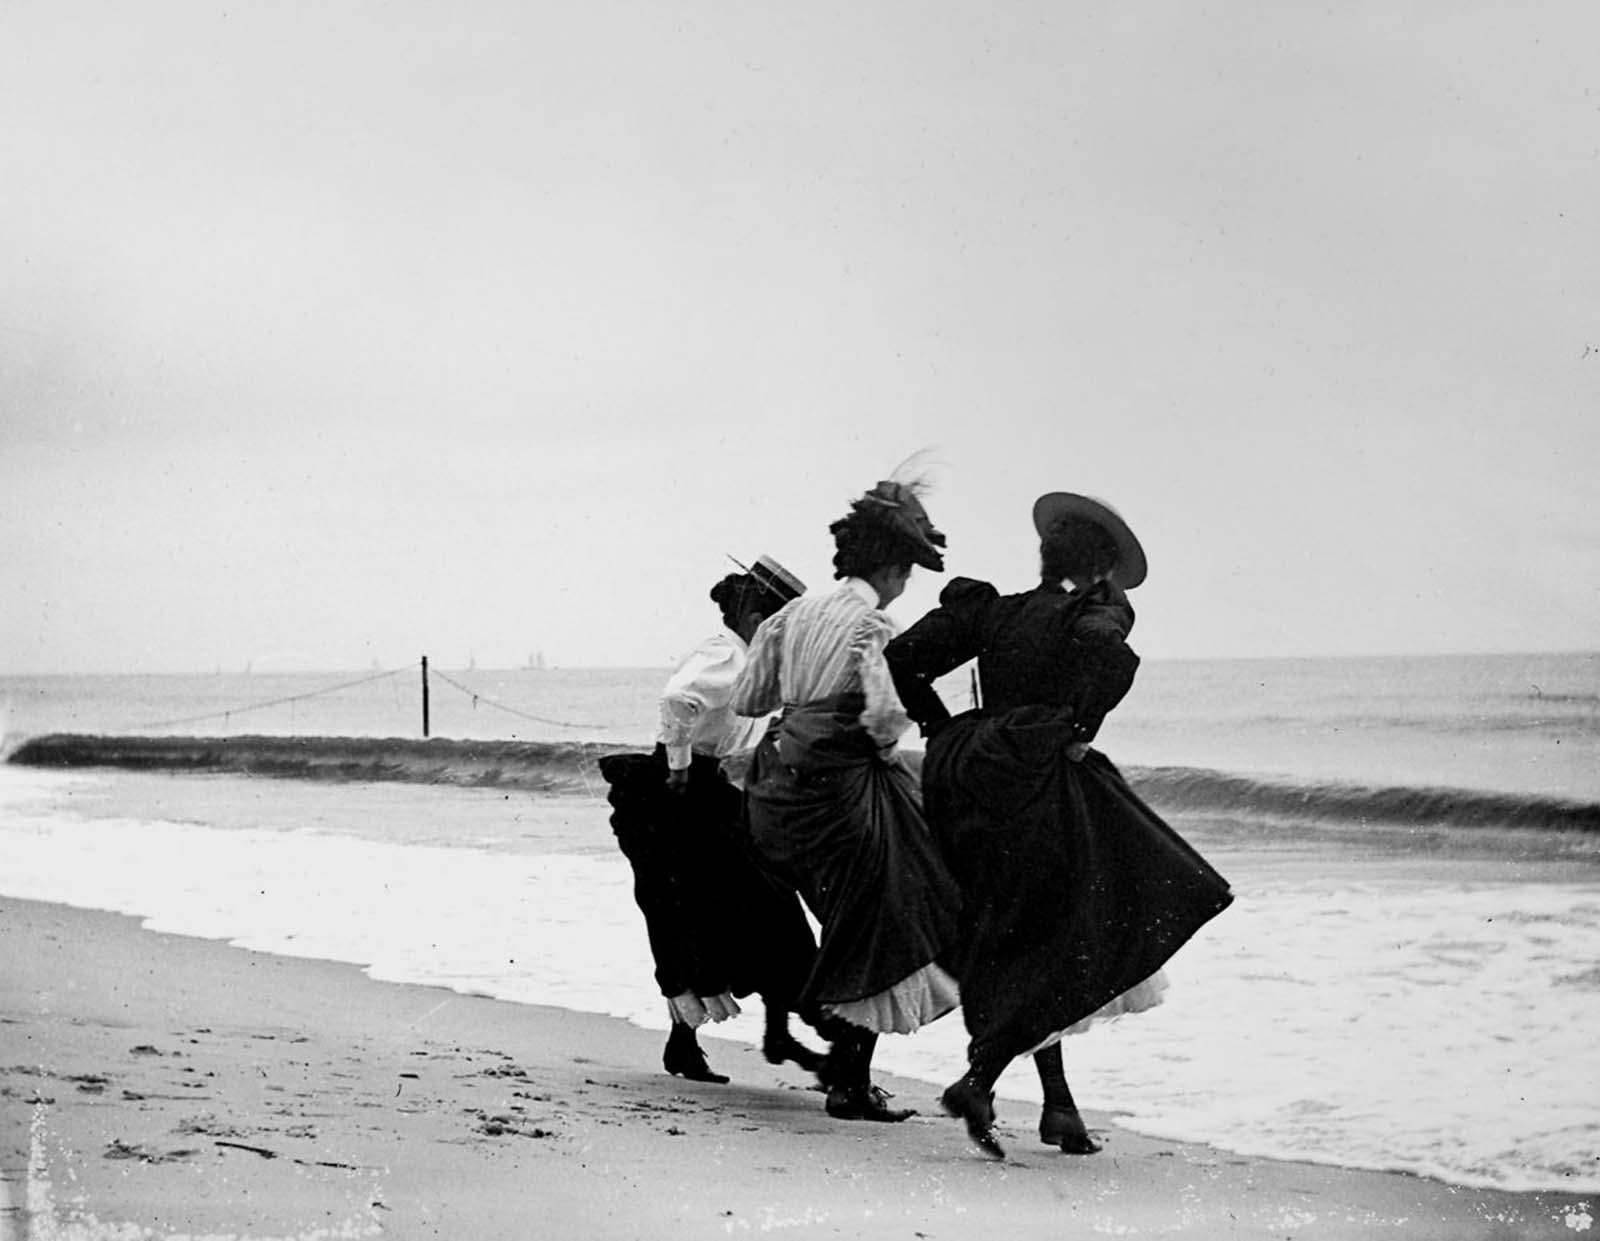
(228, 713)
(478, 697)
(428, 676)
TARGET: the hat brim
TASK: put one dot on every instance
(773, 577)
(1056, 505)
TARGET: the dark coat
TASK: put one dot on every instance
(1073, 889)
(717, 921)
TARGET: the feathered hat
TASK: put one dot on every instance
(895, 508)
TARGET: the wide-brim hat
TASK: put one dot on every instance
(773, 577)
(1055, 507)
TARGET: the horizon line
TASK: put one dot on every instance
(378, 670)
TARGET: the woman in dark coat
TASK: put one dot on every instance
(719, 926)
(1074, 891)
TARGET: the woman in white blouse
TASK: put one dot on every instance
(833, 812)
(719, 927)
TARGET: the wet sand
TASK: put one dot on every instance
(161, 1086)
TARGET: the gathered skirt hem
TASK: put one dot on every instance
(1139, 998)
(906, 1007)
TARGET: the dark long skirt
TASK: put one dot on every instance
(717, 921)
(844, 826)
(1074, 889)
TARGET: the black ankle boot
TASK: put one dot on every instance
(781, 1045)
(1062, 1126)
(864, 1103)
(683, 1057)
(1059, 1122)
(851, 1094)
(968, 1100)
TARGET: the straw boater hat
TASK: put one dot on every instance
(772, 576)
(1058, 507)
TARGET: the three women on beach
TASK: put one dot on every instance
(1023, 879)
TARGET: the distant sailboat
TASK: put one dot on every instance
(536, 662)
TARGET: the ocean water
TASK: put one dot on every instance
(1516, 724)
(1409, 978)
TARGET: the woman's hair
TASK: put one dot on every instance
(1076, 549)
(863, 546)
(739, 593)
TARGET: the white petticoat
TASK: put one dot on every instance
(1136, 999)
(905, 1007)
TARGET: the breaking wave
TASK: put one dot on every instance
(569, 768)
(536, 766)
(1197, 790)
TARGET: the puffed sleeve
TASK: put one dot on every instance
(884, 717)
(703, 682)
(758, 691)
(1103, 672)
(940, 642)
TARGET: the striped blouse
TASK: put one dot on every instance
(821, 645)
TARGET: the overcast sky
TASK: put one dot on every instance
(342, 332)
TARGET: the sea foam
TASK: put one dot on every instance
(1438, 1027)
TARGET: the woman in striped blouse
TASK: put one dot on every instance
(834, 812)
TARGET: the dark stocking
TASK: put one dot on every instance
(778, 1045)
(1059, 1122)
(855, 1059)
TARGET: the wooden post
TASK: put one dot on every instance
(424, 695)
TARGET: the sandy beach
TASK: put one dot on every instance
(163, 1086)
(397, 398)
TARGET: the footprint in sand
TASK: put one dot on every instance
(209, 1124)
(89, 1083)
(504, 1124)
(118, 1149)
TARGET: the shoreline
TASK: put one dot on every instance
(155, 1084)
